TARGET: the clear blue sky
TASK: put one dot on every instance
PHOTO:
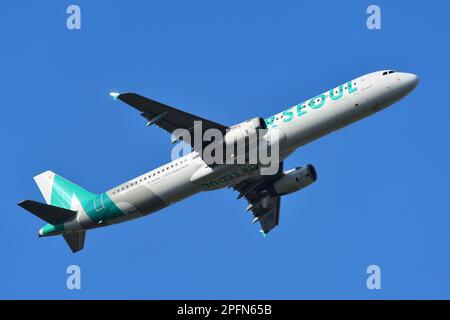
(384, 183)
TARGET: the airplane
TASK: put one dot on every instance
(71, 210)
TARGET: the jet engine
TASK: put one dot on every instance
(295, 179)
(249, 142)
(243, 138)
(248, 129)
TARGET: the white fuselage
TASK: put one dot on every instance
(299, 124)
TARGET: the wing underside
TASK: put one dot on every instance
(262, 202)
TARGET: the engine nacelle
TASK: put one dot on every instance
(238, 133)
(242, 138)
(295, 179)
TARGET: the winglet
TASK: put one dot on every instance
(263, 233)
(114, 95)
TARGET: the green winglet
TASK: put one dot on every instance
(114, 95)
(263, 233)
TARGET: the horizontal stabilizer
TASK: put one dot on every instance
(51, 214)
(75, 240)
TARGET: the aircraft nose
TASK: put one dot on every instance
(410, 81)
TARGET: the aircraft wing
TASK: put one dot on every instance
(164, 116)
(264, 205)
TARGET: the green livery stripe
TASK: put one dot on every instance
(98, 207)
(101, 207)
(63, 191)
(49, 229)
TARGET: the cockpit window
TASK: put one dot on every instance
(385, 73)
(392, 71)
(388, 72)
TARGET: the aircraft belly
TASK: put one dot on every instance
(171, 191)
(153, 196)
(138, 200)
(176, 186)
(222, 176)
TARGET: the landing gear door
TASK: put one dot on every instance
(365, 82)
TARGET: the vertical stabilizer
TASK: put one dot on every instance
(59, 191)
(45, 184)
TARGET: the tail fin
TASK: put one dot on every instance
(58, 191)
(45, 184)
(75, 240)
